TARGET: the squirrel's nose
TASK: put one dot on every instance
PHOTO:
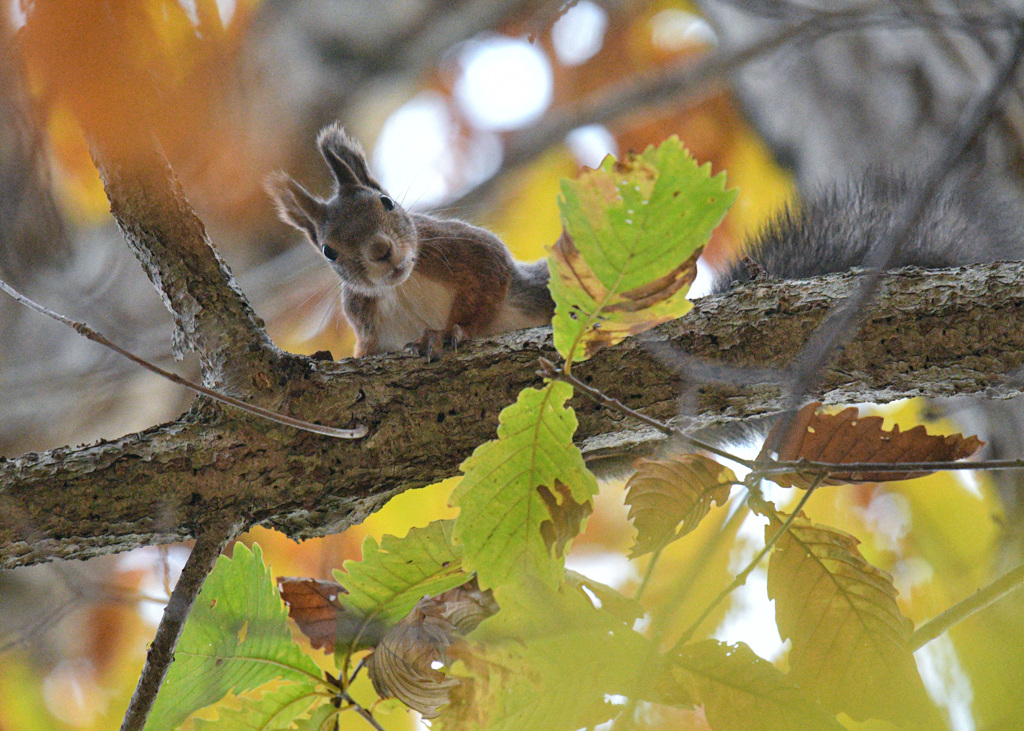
(379, 250)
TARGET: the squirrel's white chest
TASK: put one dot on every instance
(406, 311)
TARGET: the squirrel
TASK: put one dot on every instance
(414, 279)
(409, 279)
(970, 220)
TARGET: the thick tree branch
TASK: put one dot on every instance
(210, 312)
(937, 333)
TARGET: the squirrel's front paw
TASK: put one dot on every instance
(435, 342)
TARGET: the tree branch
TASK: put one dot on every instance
(936, 333)
(210, 312)
(161, 652)
(960, 611)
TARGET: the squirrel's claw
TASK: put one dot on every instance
(435, 342)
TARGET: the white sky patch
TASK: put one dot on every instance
(591, 144)
(946, 682)
(702, 283)
(505, 84)
(226, 9)
(412, 157)
(889, 516)
(612, 569)
(751, 616)
(579, 34)
(162, 568)
(968, 480)
(674, 30)
(908, 573)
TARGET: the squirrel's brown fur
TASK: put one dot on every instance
(409, 277)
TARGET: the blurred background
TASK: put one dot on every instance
(471, 109)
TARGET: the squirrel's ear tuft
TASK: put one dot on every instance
(345, 157)
(295, 205)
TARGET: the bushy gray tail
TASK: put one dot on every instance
(969, 221)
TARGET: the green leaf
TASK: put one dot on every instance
(850, 641)
(278, 709)
(742, 692)
(235, 640)
(386, 584)
(525, 494)
(632, 232)
(547, 660)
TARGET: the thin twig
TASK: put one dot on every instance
(82, 329)
(548, 370)
(648, 573)
(367, 716)
(200, 563)
(772, 467)
(964, 609)
(741, 577)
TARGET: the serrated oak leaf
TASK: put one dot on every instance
(405, 663)
(848, 437)
(850, 642)
(290, 706)
(236, 640)
(547, 660)
(742, 692)
(632, 232)
(668, 498)
(614, 316)
(524, 494)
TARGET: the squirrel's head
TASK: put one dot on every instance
(364, 234)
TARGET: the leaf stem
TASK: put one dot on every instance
(741, 577)
(648, 573)
(367, 716)
(84, 330)
(963, 609)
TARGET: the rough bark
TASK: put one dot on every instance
(937, 333)
(210, 313)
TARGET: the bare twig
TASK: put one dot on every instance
(161, 652)
(548, 370)
(962, 610)
(87, 332)
(772, 467)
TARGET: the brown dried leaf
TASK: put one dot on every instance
(848, 437)
(668, 498)
(315, 607)
(405, 663)
(850, 642)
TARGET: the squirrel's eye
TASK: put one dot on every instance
(330, 253)
(389, 205)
